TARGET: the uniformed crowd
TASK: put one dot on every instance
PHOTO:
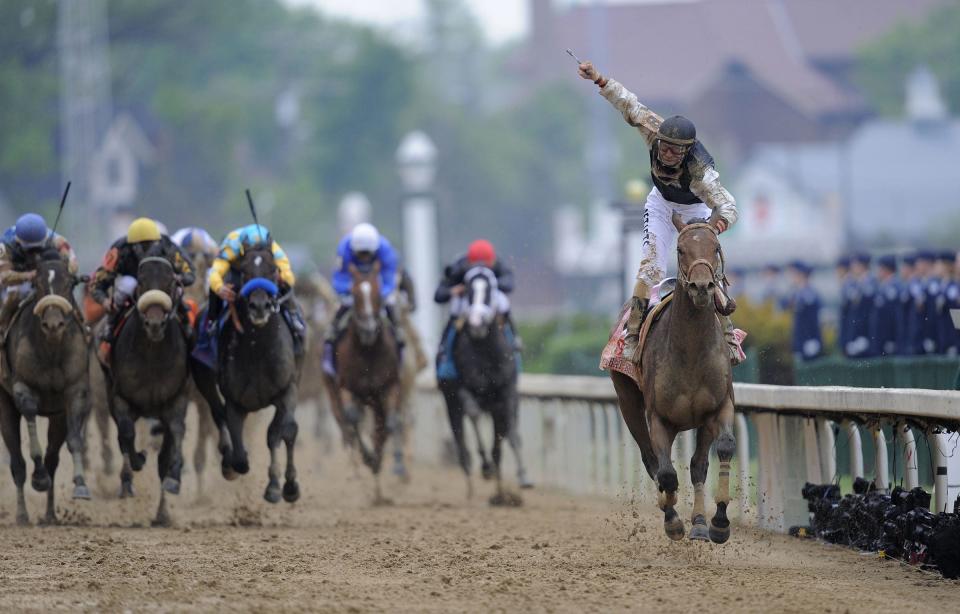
(888, 305)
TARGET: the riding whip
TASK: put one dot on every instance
(253, 212)
(63, 200)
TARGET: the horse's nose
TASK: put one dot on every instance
(703, 287)
(53, 328)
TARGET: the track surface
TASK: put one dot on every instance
(431, 551)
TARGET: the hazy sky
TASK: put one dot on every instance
(501, 19)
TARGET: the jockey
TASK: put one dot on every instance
(224, 278)
(196, 242)
(685, 181)
(18, 248)
(451, 290)
(362, 248)
(120, 266)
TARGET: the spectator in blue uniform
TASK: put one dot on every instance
(886, 312)
(949, 299)
(922, 326)
(907, 274)
(770, 286)
(860, 293)
(804, 302)
(847, 296)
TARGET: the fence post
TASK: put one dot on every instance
(910, 469)
(882, 481)
(743, 464)
(856, 449)
(938, 458)
(828, 450)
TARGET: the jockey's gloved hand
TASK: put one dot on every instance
(226, 293)
(588, 71)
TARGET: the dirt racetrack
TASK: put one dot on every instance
(430, 551)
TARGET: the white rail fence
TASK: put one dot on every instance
(574, 439)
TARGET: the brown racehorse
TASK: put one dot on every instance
(687, 383)
(368, 373)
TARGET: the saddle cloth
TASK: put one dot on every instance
(616, 356)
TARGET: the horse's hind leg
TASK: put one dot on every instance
(78, 411)
(699, 465)
(205, 432)
(10, 430)
(661, 438)
(726, 447)
(29, 406)
(56, 435)
(513, 436)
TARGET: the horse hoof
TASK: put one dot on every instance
(699, 531)
(486, 470)
(80, 491)
(126, 490)
(242, 466)
(272, 494)
(138, 460)
(400, 471)
(40, 483)
(526, 483)
(171, 485)
(291, 491)
(506, 499)
(673, 525)
(719, 535)
(49, 520)
(162, 521)
(228, 473)
(23, 520)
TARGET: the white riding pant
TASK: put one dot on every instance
(660, 235)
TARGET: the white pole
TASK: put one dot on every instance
(882, 481)
(828, 450)
(910, 469)
(939, 450)
(856, 449)
(420, 247)
(743, 464)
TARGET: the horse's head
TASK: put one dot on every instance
(258, 274)
(699, 258)
(366, 302)
(157, 290)
(481, 285)
(54, 284)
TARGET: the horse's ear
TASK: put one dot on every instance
(677, 221)
(715, 218)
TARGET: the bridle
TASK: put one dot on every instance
(683, 275)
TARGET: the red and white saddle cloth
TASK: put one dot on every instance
(617, 357)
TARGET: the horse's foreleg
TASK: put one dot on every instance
(56, 435)
(78, 411)
(455, 415)
(661, 439)
(288, 432)
(631, 404)
(29, 405)
(126, 438)
(726, 447)
(500, 413)
(699, 464)
(238, 453)
(10, 430)
(175, 426)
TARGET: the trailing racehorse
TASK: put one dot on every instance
(685, 382)
(256, 367)
(45, 374)
(148, 376)
(368, 373)
(487, 369)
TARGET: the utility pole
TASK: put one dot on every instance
(85, 113)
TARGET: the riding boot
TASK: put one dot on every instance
(513, 334)
(331, 338)
(639, 303)
(446, 369)
(298, 328)
(8, 310)
(397, 329)
(733, 343)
